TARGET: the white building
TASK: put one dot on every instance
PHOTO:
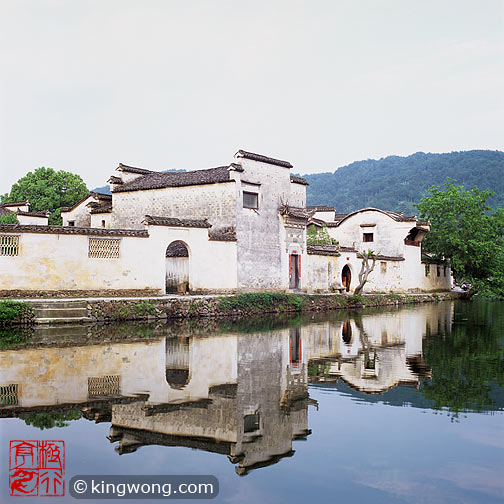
(237, 227)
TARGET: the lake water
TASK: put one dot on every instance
(400, 405)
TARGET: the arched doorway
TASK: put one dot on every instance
(177, 267)
(346, 277)
(178, 372)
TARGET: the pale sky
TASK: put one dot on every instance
(166, 84)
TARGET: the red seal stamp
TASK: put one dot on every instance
(37, 468)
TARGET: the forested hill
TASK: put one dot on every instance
(396, 183)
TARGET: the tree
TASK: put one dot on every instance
(366, 269)
(47, 189)
(465, 232)
(43, 420)
(316, 237)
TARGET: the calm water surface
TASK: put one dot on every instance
(401, 405)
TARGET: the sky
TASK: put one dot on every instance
(85, 85)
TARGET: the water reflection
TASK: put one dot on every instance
(244, 394)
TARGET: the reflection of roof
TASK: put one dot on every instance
(34, 228)
(176, 222)
(262, 159)
(157, 180)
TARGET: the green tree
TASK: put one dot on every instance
(47, 189)
(319, 237)
(467, 360)
(464, 231)
(49, 420)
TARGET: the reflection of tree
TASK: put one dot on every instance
(49, 420)
(467, 363)
(369, 358)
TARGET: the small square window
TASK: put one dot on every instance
(71, 223)
(250, 200)
(251, 423)
(368, 237)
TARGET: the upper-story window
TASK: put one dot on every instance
(71, 223)
(367, 237)
(250, 200)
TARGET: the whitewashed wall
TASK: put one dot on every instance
(48, 261)
(96, 220)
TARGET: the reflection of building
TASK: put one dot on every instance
(242, 395)
(376, 352)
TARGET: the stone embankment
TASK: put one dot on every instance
(56, 311)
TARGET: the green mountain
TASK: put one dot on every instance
(397, 183)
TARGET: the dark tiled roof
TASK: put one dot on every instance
(316, 222)
(102, 207)
(397, 216)
(132, 169)
(14, 203)
(347, 249)
(298, 180)
(262, 159)
(328, 250)
(98, 196)
(423, 223)
(114, 180)
(175, 222)
(390, 258)
(222, 234)
(321, 208)
(43, 213)
(32, 228)
(292, 211)
(179, 179)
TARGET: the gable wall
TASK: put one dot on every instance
(80, 214)
(388, 234)
(262, 254)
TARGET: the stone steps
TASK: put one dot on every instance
(60, 312)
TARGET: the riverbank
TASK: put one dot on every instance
(89, 310)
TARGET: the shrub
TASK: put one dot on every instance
(14, 312)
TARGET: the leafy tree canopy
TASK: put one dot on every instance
(464, 231)
(47, 189)
(49, 420)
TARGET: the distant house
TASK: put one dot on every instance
(24, 215)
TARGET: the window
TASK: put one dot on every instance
(9, 245)
(71, 223)
(250, 200)
(251, 423)
(102, 223)
(368, 237)
(9, 394)
(104, 386)
(100, 248)
(427, 269)
(438, 271)
(383, 267)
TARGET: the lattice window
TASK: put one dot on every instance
(100, 386)
(100, 248)
(9, 394)
(9, 245)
